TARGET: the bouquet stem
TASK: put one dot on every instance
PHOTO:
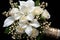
(53, 32)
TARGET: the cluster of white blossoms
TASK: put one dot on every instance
(26, 13)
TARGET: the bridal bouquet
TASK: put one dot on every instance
(26, 20)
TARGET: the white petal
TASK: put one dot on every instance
(35, 23)
(23, 25)
(28, 30)
(8, 21)
(22, 3)
(25, 7)
(13, 11)
(16, 16)
(30, 3)
(30, 17)
(21, 10)
(46, 14)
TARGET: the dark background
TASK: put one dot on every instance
(53, 8)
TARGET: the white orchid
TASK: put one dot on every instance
(29, 26)
(15, 15)
(26, 6)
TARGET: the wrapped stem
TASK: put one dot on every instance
(53, 32)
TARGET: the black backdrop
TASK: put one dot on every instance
(53, 8)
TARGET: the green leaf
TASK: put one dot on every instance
(7, 30)
(42, 18)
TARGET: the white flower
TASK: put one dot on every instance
(46, 14)
(31, 31)
(37, 10)
(28, 26)
(23, 23)
(8, 21)
(15, 15)
(26, 12)
(26, 6)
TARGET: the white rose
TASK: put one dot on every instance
(46, 14)
(37, 10)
